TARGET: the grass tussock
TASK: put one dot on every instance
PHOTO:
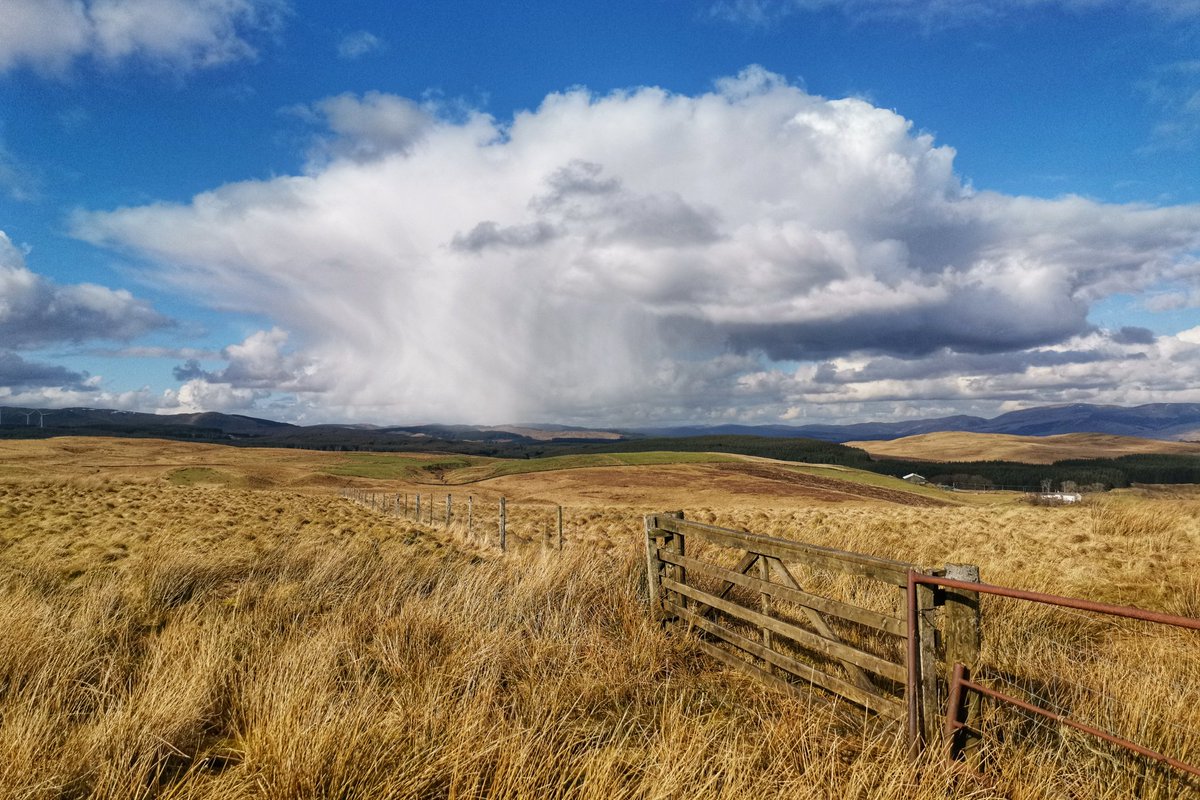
(200, 641)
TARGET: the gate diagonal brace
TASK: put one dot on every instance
(858, 676)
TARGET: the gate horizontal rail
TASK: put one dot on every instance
(862, 616)
(960, 683)
(884, 569)
(820, 644)
(887, 707)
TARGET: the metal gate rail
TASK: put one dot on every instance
(960, 682)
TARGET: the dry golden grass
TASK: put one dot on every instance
(205, 639)
(960, 446)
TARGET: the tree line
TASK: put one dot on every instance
(1095, 474)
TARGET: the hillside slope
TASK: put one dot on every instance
(963, 446)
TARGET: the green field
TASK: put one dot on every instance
(385, 466)
(457, 470)
(886, 482)
(191, 476)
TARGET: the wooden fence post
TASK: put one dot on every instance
(963, 643)
(448, 502)
(417, 508)
(470, 511)
(503, 521)
(560, 535)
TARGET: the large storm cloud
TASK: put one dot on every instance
(645, 254)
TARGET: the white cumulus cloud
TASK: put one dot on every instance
(35, 311)
(645, 255)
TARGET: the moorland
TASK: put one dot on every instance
(201, 621)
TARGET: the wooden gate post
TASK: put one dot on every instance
(931, 723)
(963, 643)
(654, 569)
(921, 691)
(679, 547)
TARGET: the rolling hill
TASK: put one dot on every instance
(963, 446)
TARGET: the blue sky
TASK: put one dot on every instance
(757, 210)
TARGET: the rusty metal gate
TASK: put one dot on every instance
(957, 727)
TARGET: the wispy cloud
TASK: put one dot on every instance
(183, 35)
(647, 255)
(150, 351)
(358, 44)
(932, 14)
(17, 179)
(1173, 91)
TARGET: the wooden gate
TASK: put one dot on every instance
(800, 616)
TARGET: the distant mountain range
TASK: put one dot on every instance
(1169, 421)
(239, 429)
